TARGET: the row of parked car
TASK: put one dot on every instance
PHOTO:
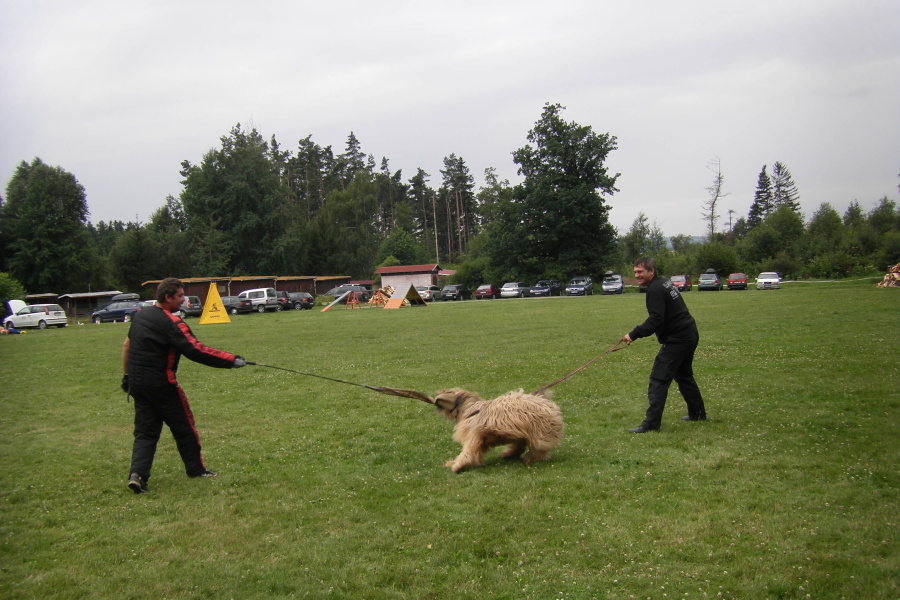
(123, 306)
(710, 281)
(578, 286)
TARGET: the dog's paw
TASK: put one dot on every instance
(449, 463)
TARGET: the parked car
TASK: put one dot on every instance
(682, 283)
(769, 280)
(546, 287)
(284, 299)
(737, 281)
(362, 294)
(235, 305)
(191, 307)
(262, 299)
(429, 293)
(515, 289)
(34, 315)
(302, 300)
(120, 310)
(487, 290)
(709, 281)
(612, 284)
(456, 291)
(580, 286)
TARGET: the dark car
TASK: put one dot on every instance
(737, 281)
(546, 287)
(612, 284)
(487, 290)
(456, 291)
(284, 300)
(302, 300)
(580, 286)
(191, 307)
(121, 310)
(235, 305)
(709, 281)
(682, 283)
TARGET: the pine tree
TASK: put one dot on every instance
(784, 190)
(762, 200)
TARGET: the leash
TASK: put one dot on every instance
(375, 388)
(614, 348)
(424, 397)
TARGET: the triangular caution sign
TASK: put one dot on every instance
(214, 311)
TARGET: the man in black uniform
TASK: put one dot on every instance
(156, 340)
(669, 319)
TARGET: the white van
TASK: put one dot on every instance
(262, 299)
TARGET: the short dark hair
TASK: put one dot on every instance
(168, 287)
(647, 263)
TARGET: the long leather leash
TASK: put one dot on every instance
(424, 397)
(578, 370)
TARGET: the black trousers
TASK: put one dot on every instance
(674, 361)
(154, 406)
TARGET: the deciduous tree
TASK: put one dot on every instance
(44, 220)
(559, 211)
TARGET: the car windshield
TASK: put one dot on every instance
(768, 276)
(707, 278)
(677, 278)
(484, 287)
(737, 276)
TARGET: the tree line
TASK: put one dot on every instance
(251, 207)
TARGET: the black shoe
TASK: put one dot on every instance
(206, 474)
(642, 429)
(138, 484)
(694, 417)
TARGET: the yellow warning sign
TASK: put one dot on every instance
(214, 311)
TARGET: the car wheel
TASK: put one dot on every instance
(278, 308)
(298, 306)
(9, 325)
(42, 325)
(126, 318)
(97, 320)
(233, 311)
(260, 309)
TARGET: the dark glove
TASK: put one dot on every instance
(125, 387)
(239, 362)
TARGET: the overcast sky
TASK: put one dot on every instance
(119, 93)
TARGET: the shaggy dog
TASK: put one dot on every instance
(516, 419)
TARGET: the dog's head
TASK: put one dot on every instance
(449, 403)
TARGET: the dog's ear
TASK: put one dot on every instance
(446, 400)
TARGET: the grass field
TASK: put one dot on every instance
(790, 490)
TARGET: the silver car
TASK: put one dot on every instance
(768, 281)
(35, 315)
(515, 289)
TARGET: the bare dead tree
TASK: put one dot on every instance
(716, 193)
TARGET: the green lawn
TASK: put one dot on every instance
(790, 490)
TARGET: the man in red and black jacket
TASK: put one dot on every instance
(669, 319)
(156, 340)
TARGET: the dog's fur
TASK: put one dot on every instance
(516, 419)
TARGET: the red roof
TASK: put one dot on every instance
(408, 269)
